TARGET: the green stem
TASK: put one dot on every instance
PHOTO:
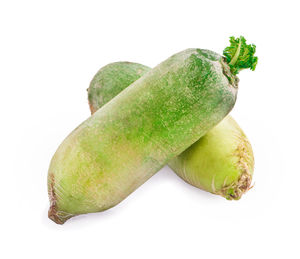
(236, 55)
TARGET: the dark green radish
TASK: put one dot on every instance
(134, 135)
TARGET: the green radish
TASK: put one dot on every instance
(112, 80)
(221, 162)
(134, 135)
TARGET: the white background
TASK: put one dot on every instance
(49, 52)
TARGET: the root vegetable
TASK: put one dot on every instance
(134, 135)
(221, 162)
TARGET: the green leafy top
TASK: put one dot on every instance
(239, 55)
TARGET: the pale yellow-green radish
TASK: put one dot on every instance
(221, 162)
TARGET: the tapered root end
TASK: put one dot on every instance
(245, 164)
(59, 217)
(53, 215)
(236, 190)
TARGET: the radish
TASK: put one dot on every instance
(221, 162)
(134, 135)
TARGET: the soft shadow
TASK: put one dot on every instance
(167, 174)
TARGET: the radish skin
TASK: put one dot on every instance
(221, 162)
(134, 135)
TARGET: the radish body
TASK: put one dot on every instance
(111, 80)
(221, 162)
(134, 135)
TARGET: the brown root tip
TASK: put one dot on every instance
(59, 217)
(236, 190)
(245, 164)
(52, 214)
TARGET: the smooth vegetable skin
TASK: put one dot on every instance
(221, 162)
(135, 134)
